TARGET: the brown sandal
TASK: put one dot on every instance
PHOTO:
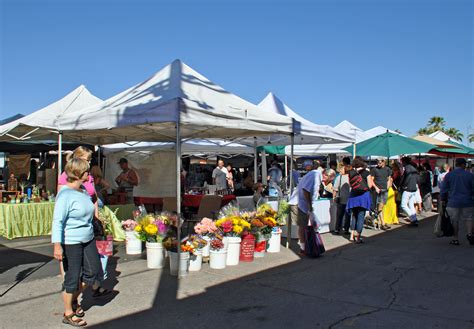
(76, 307)
(77, 322)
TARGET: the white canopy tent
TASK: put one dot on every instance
(344, 127)
(174, 104)
(150, 111)
(32, 126)
(195, 146)
(305, 131)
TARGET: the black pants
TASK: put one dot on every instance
(343, 218)
(81, 264)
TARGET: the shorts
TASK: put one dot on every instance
(457, 214)
(382, 197)
(81, 264)
(302, 219)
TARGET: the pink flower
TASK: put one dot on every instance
(129, 225)
(206, 225)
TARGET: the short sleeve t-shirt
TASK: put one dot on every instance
(221, 177)
(89, 185)
(308, 183)
(381, 176)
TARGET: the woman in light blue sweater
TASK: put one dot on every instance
(73, 238)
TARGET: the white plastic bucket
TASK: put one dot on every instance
(133, 245)
(233, 250)
(207, 248)
(225, 241)
(183, 264)
(195, 261)
(155, 257)
(218, 259)
(274, 243)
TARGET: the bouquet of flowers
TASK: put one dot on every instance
(205, 227)
(151, 229)
(233, 225)
(106, 218)
(188, 247)
(283, 212)
(129, 224)
(217, 244)
(197, 241)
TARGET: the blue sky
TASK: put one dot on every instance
(378, 62)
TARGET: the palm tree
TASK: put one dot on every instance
(470, 138)
(425, 131)
(437, 123)
(454, 133)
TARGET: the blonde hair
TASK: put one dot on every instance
(75, 169)
(96, 172)
(80, 152)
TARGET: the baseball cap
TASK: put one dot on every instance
(460, 162)
(122, 160)
(307, 163)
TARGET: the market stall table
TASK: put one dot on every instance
(189, 200)
(26, 219)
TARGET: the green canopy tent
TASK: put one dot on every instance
(460, 150)
(272, 149)
(388, 145)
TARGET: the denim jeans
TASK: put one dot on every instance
(81, 264)
(343, 219)
(408, 204)
(359, 217)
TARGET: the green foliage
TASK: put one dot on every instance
(439, 124)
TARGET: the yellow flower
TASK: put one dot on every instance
(237, 229)
(245, 224)
(138, 228)
(151, 229)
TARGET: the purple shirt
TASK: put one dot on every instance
(89, 185)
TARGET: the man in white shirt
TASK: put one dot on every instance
(308, 191)
(219, 176)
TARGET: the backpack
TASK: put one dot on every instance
(358, 183)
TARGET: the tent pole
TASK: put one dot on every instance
(288, 224)
(60, 153)
(264, 167)
(255, 156)
(286, 167)
(98, 155)
(178, 190)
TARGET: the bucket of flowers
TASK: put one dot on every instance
(206, 229)
(218, 254)
(103, 236)
(199, 243)
(133, 245)
(152, 230)
(232, 226)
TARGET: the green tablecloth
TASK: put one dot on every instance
(26, 219)
(35, 219)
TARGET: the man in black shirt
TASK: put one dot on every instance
(408, 186)
(381, 176)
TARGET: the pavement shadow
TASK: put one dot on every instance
(345, 287)
(12, 257)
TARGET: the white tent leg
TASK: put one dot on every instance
(288, 224)
(255, 158)
(60, 154)
(264, 167)
(178, 191)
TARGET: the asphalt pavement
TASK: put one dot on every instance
(402, 278)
